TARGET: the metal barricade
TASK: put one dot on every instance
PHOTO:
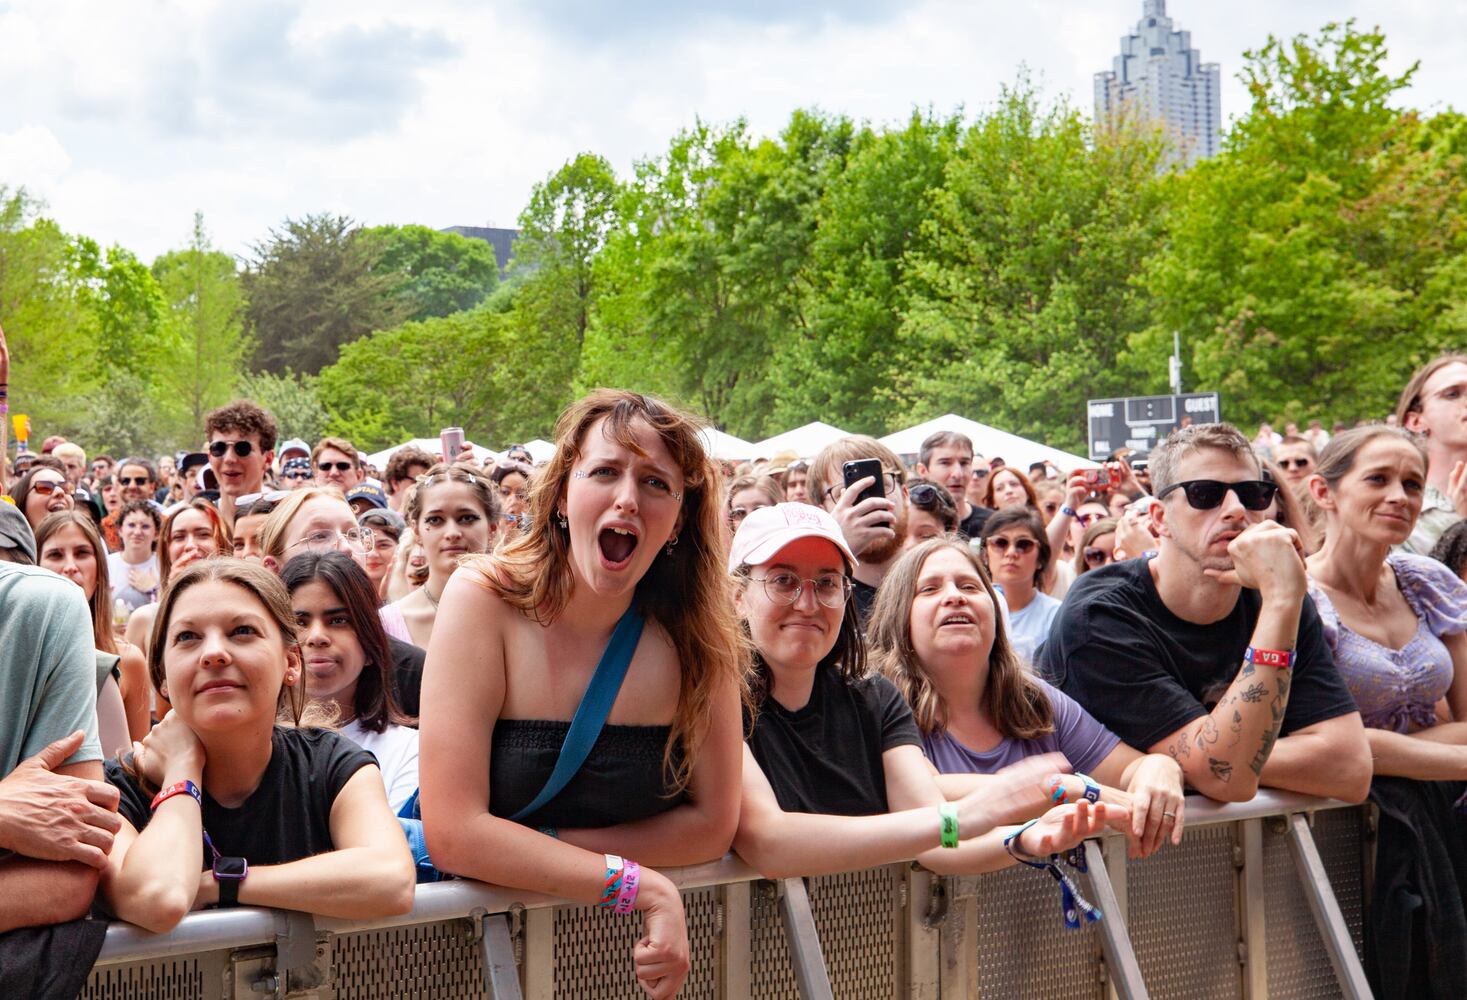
(1261, 899)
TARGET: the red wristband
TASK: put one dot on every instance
(1283, 659)
(178, 788)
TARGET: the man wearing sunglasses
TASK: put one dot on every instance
(241, 444)
(336, 464)
(1296, 459)
(1212, 651)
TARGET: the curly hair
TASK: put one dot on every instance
(243, 417)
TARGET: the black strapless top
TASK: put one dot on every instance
(621, 781)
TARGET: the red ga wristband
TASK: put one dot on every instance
(1283, 659)
(178, 788)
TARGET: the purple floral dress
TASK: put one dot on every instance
(1397, 689)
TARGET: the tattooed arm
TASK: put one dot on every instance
(1330, 759)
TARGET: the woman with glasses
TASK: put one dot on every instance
(1015, 551)
(134, 571)
(930, 512)
(386, 526)
(314, 519)
(42, 491)
(834, 776)
(747, 494)
(1097, 546)
(512, 481)
(937, 634)
(454, 512)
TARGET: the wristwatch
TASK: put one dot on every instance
(228, 874)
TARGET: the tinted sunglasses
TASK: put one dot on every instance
(1086, 520)
(133, 480)
(1205, 494)
(1023, 546)
(241, 448)
(296, 474)
(328, 466)
(45, 487)
(1095, 558)
(1294, 463)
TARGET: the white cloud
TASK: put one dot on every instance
(127, 117)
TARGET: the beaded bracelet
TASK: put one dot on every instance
(949, 814)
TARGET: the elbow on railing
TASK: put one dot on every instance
(157, 909)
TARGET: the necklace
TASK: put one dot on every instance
(429, 595)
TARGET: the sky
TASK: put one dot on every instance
(126, 118)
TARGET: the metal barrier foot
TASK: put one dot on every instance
(1326, 909)
(1115, 942)
(497, 944)
(804, 940)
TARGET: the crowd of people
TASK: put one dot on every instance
(267, 674)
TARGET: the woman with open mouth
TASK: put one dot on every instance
(937, 635)
(619, 576)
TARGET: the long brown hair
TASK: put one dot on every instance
(686, 592)
(1016, 704)
(100, 603)
(223, 543)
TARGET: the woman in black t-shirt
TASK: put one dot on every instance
(833, 751)
(223, 806)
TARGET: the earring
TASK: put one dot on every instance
(560, 514)
(671, 544)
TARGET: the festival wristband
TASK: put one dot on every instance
(1283, 659)
(1067, 510)
(611, 884)
(178, 788)
(1072, 903)
(626, 899)
(949, 814)
(1092, 789)
(1058, 794)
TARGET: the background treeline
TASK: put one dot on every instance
(1006, 265)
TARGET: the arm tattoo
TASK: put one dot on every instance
(1207, 735)
(1261, 757)
(1276, 713)
(1236, 728)
(1221, 769)
(1253, 693)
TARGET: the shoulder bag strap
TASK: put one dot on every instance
(594, 707)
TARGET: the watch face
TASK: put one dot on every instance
(235, 868)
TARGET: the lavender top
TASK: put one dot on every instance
(1076, 734)
(1397, 689)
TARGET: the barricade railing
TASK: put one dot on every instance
(1264, 898)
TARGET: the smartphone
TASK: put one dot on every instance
(860, 469)
(1099, 479)
(1140, 465)
(451, 440)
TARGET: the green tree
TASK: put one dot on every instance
(315, 285)
(437, 273)
(203, 355)
(293, 400)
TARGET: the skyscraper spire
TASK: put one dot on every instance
(1159, 78)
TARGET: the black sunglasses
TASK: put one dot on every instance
(241, 448)
(1294, 463)
(328, 466)
(1205, 494)
(133, 481)
(1095, 557)
(1023, 546)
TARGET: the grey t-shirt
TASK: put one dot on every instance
(1083, 741)
(119, 572)
(48, 669)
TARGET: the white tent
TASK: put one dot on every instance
(432, 446)
(805, 441)
(540, 450)
(725, 447)
(990, 442)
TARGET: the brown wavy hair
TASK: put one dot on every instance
(100, 603)
(1031, 498)
(686, 592)
(223, 541)
(1016, 704)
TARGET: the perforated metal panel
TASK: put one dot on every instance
(1297, 963)
(1183, 917)
(593, 951)
(197, 977)
(1024, 949)
(859, 918)
(440, 960)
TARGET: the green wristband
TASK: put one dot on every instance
(949, 814)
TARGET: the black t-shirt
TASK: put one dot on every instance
(1145, 673)
(972, 525)
(288, 817)
(826, 757)
(407, 674)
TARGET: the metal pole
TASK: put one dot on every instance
(1174, 365)
(500, 975)
(1326, 909)
(1120, 956)
(804, 941)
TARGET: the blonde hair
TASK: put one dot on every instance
(223, 541)
(1015, 703)
(825, 468)
(685, 591)
(277, 522)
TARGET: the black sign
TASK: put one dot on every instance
(1138, 422)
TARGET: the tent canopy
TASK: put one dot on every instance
(431, 446)
(725, 447)
(804, 441)
(990, 442)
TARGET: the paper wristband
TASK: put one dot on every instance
(611, 885)
(626, 899)
(949, 814)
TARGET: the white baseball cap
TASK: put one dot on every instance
(768, 529)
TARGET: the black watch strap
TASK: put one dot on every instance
(228, 891)
(228, 874)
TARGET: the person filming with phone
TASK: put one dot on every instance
(862, 483)
(1212, 651)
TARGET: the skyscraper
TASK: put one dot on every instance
(1159, 78)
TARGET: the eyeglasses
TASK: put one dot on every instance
(1095, 558)
(1023, 546)
(1294, 463)
(328, 466)
(1206, 494)
(924, 495)
(888, 486)
(1086, 520)
(785, 588)
(241, 448)
(324, 538)
(133, 481)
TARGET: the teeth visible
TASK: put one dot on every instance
(621, 531)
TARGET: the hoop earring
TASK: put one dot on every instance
(560, 515)
(671, 544)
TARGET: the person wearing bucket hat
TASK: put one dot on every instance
(833, 775)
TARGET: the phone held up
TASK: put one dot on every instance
(863, 468)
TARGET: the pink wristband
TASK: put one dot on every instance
(630, 879)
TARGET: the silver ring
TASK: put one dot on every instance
(1168, 815)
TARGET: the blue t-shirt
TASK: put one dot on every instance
(1029, 626)
(1076, 734)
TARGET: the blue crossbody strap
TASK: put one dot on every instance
(595, 706)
